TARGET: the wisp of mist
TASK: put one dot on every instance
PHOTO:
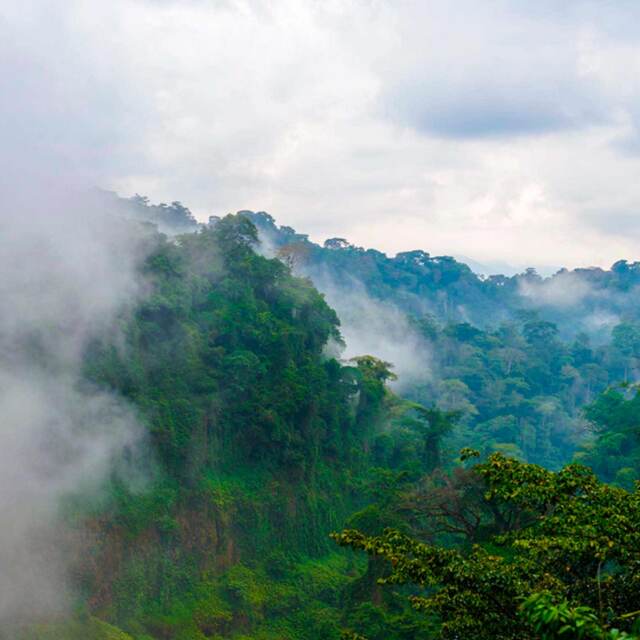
(68, 271)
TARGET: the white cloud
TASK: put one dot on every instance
(499, 130)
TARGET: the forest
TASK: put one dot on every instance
(473, 477)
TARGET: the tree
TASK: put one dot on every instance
(574, 538)
(431, 425)
(626, 338)
(614, 417)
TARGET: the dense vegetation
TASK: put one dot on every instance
(518, 356)
(252, 429)
(261, 442)
(553, 554)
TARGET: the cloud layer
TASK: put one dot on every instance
(500, 130)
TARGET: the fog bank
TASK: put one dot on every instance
(68, 271)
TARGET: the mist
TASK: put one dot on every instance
(565, 289)
(591, 301)
(368, 326)
(68, 273)
(373, 327)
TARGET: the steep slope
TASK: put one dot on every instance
(255, 434)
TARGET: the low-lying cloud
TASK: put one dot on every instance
(564, 289)
(68, 272)
(373, 327)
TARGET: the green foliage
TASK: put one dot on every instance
(255, 434)
(517, 356)
(557, 620)
(567, 534)
(262, 444)
(615, 451)
(222, 323)
(431, 425)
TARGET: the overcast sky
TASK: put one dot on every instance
(500, 131)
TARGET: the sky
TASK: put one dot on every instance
(504, 132)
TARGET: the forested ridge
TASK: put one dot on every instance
(519, 356)
(292, 492)
(590, 300)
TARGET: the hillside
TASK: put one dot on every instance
(261, 438)
(519, 356)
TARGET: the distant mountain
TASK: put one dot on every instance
(495, 267)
